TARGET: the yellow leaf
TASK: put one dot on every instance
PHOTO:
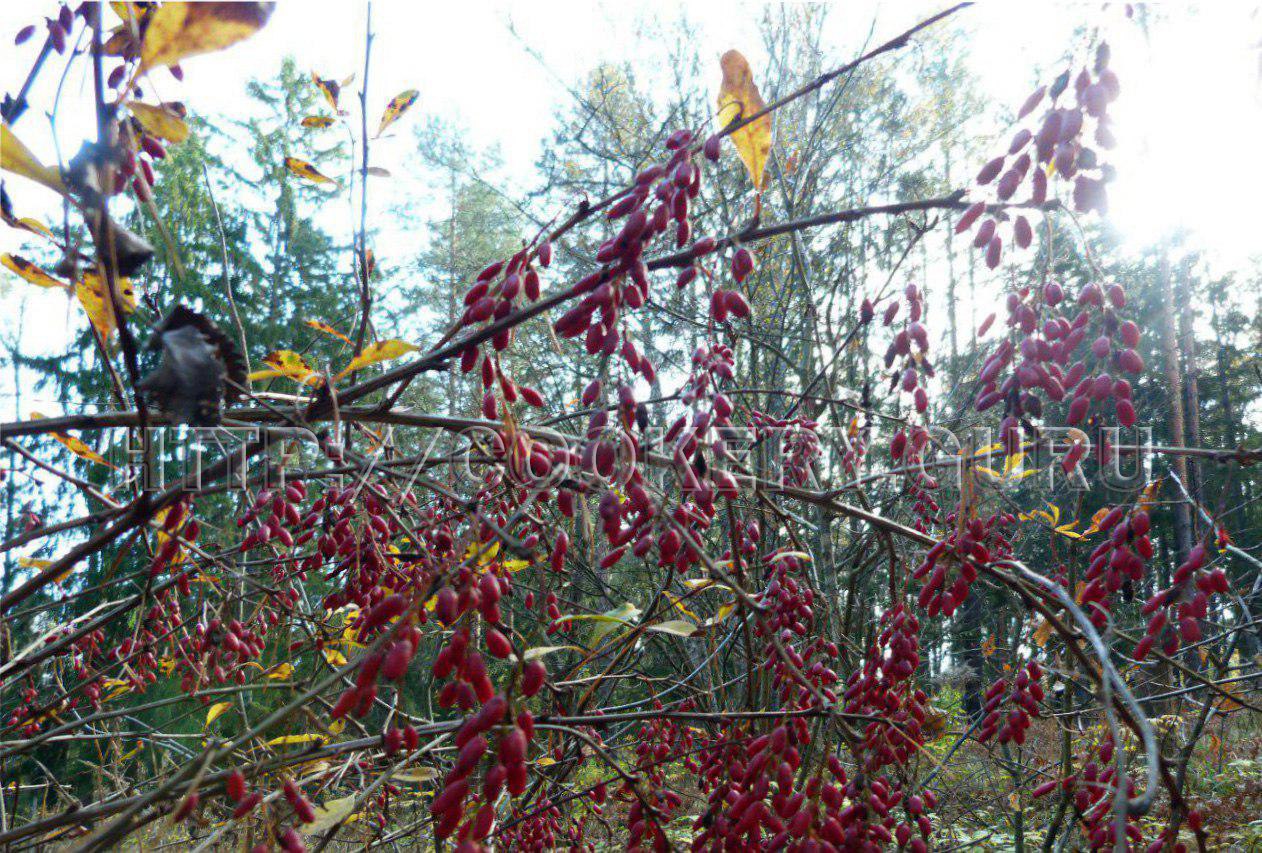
(289, 364)
(25, 223)
(180, 30)
(398, 106)
(623, 614)
(30, 272)
(336, 727)
(159, 121)
(1096, 519)
(317, 121)
(1149, 494)
(739, 99)
(374, 353)
(303, 169)
(1068, 530)
(216, 711)
(76, 446)
(1042, 633)
(516, 565)
(542, 651)
(33, 563)
(677, 627)
(95, 299)
(321, 326)
(288, 740)
(680, 606)
(797, 555)
(15, 157)
(725, 611)
(331, 813)
(420, 774)
(283, 671)
(334, 657)
(1013, 462)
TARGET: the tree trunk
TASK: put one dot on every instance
(1174, 413)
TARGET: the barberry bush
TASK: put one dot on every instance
(333, 632)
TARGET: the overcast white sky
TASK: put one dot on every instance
(1189, 119)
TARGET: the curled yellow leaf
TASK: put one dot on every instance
(321, 326)
(289, 364)
(317, 121)
(24, 223)
(159, 121)
(31, 272)
(287, 740)
(739, 99)
(216, 711)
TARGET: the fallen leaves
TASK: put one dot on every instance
(177, 31)
(739, 99)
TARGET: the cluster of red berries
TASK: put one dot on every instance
(1023, 694)
(974, 544)
(1055, 145)
(1175, 612)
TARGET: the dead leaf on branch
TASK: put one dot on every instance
(739, 99)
